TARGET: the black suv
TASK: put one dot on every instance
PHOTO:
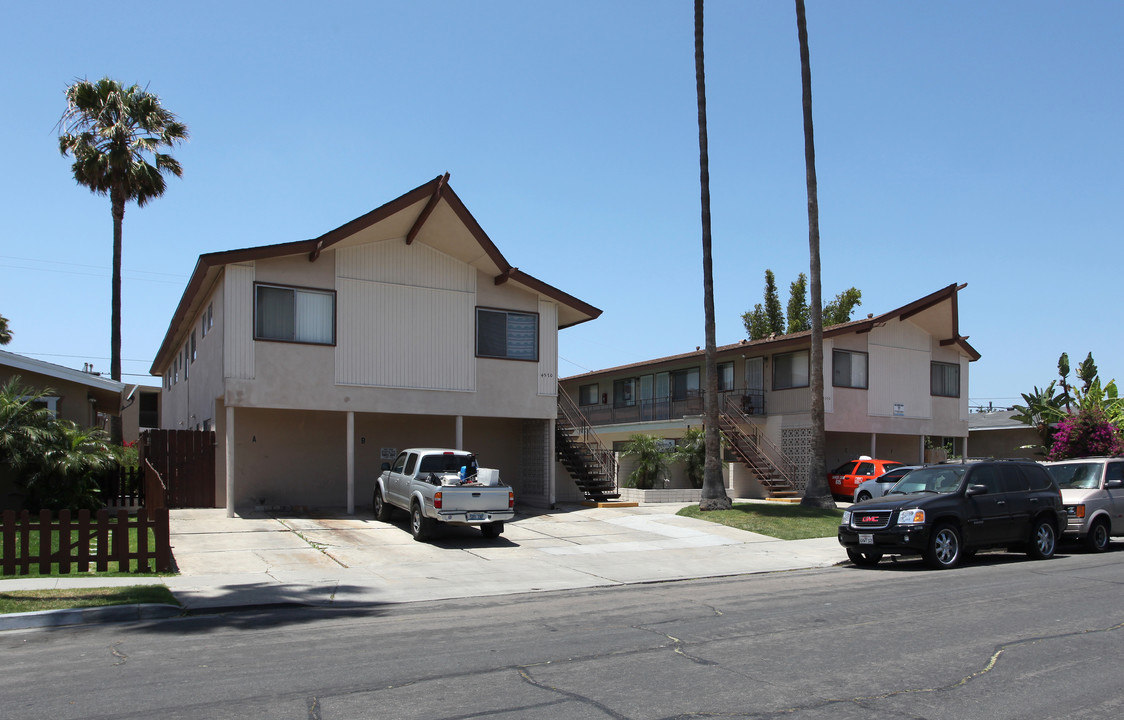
(947, 512)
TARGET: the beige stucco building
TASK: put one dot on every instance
(890, 382)
(82, 397)
(316, 361)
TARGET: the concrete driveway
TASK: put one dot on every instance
(331, 558)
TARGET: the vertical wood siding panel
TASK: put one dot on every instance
(548, 348)
(238, 322)
(406, 318)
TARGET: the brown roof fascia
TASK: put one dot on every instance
(428, 209)
(555, 294)
(856, 326)
(469, 221)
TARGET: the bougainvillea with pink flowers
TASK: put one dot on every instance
(1087, 433)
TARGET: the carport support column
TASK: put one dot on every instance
(874, 445)
(350, 462)
(229, 461)
(460, 433)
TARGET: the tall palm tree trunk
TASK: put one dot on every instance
(117, 203)
(816, 492)
(713, 496)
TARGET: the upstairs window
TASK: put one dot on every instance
(848, 369)
(507, 335)
(588, 395)
(944, 379)
(290, 314)
(790, 370)
(725, 376)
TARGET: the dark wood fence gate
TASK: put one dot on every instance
(185, 460)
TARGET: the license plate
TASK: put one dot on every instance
(476, 516)
(866, 539)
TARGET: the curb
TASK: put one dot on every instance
(83, 616)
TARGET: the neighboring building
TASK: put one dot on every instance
(140, 411)
(996, 434)
(890, 382)
(316, 361)
(77, 395)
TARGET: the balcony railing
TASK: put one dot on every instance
(751, 402)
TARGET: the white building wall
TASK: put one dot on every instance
(899, 371)
(238, 321)
(548, 348)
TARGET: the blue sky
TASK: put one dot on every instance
(967, 141)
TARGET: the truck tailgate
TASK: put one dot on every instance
(473, 499)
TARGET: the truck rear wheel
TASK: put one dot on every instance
(492, 529)
(420, 525)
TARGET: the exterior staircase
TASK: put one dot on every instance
(592, 467)
(757, 452)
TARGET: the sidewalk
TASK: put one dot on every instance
(332, 559)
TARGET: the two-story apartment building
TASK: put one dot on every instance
(890, 382)
(316, 361)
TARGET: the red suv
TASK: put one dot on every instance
(843, 480)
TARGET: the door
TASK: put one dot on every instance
(1115, 496)
(754, 402)
(394, 479)
(987, 516)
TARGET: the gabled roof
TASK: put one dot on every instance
(926, 311)
(431, 213)
(26, 364)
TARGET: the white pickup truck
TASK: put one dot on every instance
(438, 485)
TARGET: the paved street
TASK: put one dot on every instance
(1002, 637)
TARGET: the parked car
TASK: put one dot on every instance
(879, 486)
(947, 512)
(843, 480)
(1093, 496)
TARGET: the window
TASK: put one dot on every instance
(684, 383)
(944, 379)
(176, 370)
(186, 354)
(848, 369)
(295, 315)
(507, 335)
(587, 395)
(192, 346)
(149, 410)
(624, 392)
(790, 370)
(725, 376)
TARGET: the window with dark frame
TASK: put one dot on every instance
(725, 376)
(290, 314)
(944, 379)
(790, 370)
(588, 394)
(849, 369)
(507, 335)
(624, 392)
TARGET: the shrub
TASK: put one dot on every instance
(1087, 433)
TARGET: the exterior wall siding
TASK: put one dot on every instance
(238, 322)
(548, 348)
(405, 318)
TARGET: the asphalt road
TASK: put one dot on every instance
(1002, 637)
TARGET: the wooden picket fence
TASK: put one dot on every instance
(80, 544)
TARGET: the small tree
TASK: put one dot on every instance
(651, 460)
(839, 310)
(5, 332)
(1043, 409)
(691, 451)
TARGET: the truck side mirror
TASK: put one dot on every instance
(1114, 484)
(976, 490)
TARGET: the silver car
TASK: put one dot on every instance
(879, 486)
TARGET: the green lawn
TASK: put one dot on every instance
(75, 571)
(779, 520)
(18, 601)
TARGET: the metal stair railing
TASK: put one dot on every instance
(579, 428)
(758, 442)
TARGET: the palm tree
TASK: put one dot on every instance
(111, 131)
(816, 492)
(5, 333)
(713, 495)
